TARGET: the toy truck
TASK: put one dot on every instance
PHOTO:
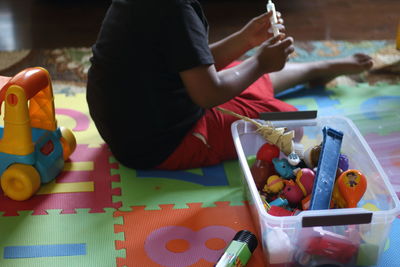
(325, 245)
(33, 148)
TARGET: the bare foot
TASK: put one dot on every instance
(330, 69)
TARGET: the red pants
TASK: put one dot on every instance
(215, 127)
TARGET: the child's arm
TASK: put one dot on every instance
(229, 49)
(208, 88)
(251, 35)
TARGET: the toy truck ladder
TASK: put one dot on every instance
(326, 170)
(31, 84)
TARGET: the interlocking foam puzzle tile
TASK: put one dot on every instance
(73, 112)
(316, 98)
(84, 183)
(387, 151)
(82, 239)
(192, 237)
(207, 185)
(382, 122)
(370, 101)
(390, 256)
(321, 50)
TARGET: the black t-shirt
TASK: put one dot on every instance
(134, 92)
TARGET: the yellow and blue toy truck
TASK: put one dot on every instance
(33, 148)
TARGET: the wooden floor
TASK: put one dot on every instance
(26, 24)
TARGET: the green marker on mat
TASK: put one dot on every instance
(239, 251)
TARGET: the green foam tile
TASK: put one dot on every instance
(96, 230)
(152, 192)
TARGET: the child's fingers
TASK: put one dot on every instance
(275, 39)
(286, 42)
(289, 50)
(280, 27)
(263, 17)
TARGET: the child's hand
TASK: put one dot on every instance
(273, 53)
(258, 30)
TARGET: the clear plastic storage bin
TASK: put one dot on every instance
(342, 237)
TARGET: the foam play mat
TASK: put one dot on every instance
(100, 213)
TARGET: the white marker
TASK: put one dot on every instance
(273, 18)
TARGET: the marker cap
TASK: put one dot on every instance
(247, 237)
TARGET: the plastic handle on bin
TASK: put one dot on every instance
(334, 220)
(288, 115)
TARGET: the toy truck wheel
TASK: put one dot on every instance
(68, 142)
(20, 181)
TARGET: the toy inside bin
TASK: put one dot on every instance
(343, 237)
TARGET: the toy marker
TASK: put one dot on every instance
(239, 250)
(273, 19)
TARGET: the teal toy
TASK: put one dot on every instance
(284, 168)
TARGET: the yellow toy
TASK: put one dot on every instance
(32, 147)
(274, 184)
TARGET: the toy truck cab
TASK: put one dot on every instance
(32, 147)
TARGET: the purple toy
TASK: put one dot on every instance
(343, 162)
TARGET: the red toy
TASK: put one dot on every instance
(260, 171)
(305, 180)
(279, 211)
(267, 152)
(330, 245)
(294, 192)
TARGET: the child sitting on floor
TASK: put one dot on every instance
(155, 82)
